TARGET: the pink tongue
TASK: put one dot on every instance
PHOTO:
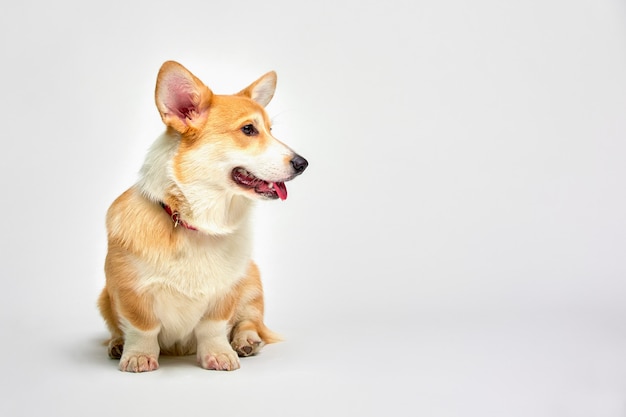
(281, 190)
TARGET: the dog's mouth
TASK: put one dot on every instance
(266, 189)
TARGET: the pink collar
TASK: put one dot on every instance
(175, 216)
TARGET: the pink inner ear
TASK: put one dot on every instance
(182, 99)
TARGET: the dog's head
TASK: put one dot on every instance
(226, 144)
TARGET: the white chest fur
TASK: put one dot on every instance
(185, 283)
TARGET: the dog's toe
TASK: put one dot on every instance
(139, 363)
(219, 361)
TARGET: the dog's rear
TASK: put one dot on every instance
(179, 274)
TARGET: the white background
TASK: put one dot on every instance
(456, 247)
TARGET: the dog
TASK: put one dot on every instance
(179, 275)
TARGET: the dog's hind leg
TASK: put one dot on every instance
(107, 309)
(249, 334)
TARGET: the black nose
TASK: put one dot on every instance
(299, 164)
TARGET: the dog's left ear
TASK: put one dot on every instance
(262, 90)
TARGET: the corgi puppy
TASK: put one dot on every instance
(179, 274)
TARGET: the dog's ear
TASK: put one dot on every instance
(262, 90)
(182, 99)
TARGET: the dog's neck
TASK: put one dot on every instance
(212, 211)
(217, 216)
(175, 216)
(217, 213)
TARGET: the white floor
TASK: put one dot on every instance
(425, 365)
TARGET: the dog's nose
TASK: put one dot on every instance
(299, 164)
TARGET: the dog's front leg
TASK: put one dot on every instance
(141, 349)
(214, 350)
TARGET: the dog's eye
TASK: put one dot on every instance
(249, 130)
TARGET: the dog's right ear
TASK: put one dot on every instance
(182, 99)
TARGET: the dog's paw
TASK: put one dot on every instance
(247, 343)
(225, 361)
(138, 363)
(116, 348)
